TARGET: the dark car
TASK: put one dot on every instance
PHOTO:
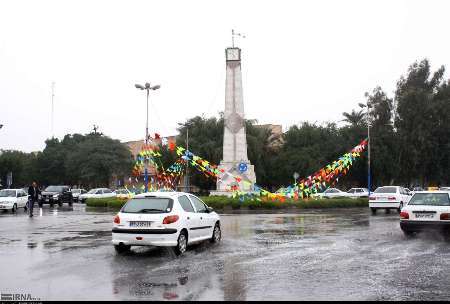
(56, 195)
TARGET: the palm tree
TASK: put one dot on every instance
(355, 118)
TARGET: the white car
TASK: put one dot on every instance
(358, 192)
(426, 209)
(388, 197)
(76, 193)
(12, 199)
(167, 219)
(331, 193)
(124, 193)
(97, 193)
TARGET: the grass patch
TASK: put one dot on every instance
(223, 202)
(110, 202)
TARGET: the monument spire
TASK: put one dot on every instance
(234, 34)
(236, 168)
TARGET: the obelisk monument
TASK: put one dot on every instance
(237, 170)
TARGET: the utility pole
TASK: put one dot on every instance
(146, 87)
(53, 96)
(186, 180)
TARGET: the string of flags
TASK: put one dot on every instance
(169, 178)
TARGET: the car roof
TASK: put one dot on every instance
(437, 191)
(169, 194)
(14, 189)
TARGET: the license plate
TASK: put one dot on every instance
(140, 224)
(424, 215)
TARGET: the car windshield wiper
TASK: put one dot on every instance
(151, 210)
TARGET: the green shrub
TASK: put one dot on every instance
(224, 203)
(110, 202)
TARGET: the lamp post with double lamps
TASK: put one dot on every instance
(146, 87)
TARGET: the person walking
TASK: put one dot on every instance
(33, 196)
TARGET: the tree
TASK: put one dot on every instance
(421, 102)
(355, 118)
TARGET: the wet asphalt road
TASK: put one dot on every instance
(342, 254)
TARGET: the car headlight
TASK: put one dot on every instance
(56, 196)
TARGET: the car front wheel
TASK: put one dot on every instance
(181, 244)
(374, 211)
(121, 248)
(14, 208)
(217, 234)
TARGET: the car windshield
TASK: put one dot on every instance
(54, 188)
(148, 205)
(430, 199)
(92, 191)
(76, 190)
(386, 190)
(7, 193)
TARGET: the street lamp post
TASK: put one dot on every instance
(369, 179)
(146, 87)
(369, 182)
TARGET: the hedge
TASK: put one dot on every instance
(223, 202)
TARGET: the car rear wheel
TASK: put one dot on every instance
(60, 203)
(181, 244)
(217, 234)
(407, 232)
(388, 211)
(374, 211)
(121, 248)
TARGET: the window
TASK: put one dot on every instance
(106, 191)
(99, 192)
(430, 199)
(199, 205)
(148, 205)
(386, 190)
(351, 191)
(185, 204)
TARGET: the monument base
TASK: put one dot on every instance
(232, 177)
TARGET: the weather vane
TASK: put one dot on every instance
(234, 34)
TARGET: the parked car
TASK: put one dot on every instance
(388, 197)
(331, 193)
(96, 193)
(168, 219)
(56, 195)
(447, 189)
(124, 193)
(358, 192)
(12, 199)
(426, 209)
(76, 193)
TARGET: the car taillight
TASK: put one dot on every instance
(170, 219)
(404, 215)
(392, 198)
(372, 198)
(445, 216)
(116, 219)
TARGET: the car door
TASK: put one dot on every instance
(204, 222)
(23, 198)
(192, 219)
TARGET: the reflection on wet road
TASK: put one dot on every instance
(321, 254)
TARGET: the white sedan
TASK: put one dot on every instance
(12, 199)
(167, 219)
(97, 193)
(358, 192)
(331, 193)
(426, 209)
(388, 197)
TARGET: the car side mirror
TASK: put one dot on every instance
(209, 209)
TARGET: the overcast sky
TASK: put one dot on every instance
(301, 60)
